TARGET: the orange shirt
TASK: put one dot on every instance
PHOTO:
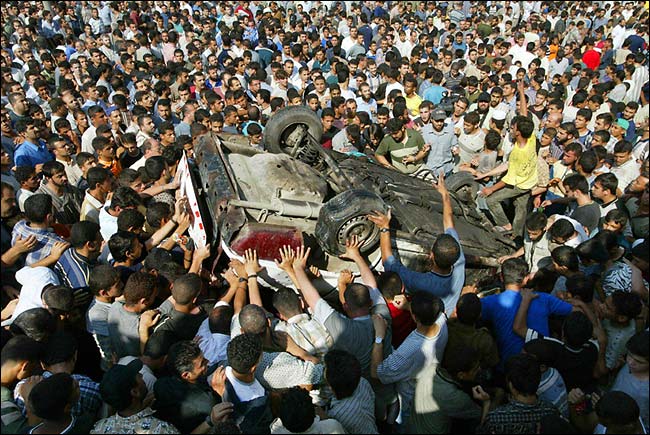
(115, 167)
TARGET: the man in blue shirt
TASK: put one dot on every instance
(32, 152)
(447, 274)
(500, 310)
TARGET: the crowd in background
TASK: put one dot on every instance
(112, 324)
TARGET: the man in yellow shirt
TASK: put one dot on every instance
(518, 181)
(413, 100)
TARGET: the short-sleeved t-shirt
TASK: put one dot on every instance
(500, 311)
(123, 330)
(522, 168)
(353, 335)
(398, 150)
(588, 215)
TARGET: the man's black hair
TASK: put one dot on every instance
(576, 329)
(181, 357)
(523, 372)
(446, 251)
(83, 232)
(514, 271)
(37, 207)
(343, 372)
(49, 398)
(426, 307)
(60, 348)
(21, 348)
(244, 352)
(297, 412)
(35, 323)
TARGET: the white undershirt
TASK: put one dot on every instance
(245, 391)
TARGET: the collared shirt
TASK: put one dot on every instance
(143, 422)
(90, 208)
(357, 412)
(45, 240)
(308, 333)
(90, 400)
(30, 154)
(407, 363)
(440, 156)
(72, 171)
(67, 205)
(517, 418)
(73, 269)
(107, 222)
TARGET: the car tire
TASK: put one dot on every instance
(344, 216)
(280, 126)
(464, 186)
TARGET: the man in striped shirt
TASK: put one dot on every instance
(40, 215)
(73, 268)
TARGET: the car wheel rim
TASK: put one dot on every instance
(358, 226)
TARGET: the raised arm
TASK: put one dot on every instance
(286, 264)
(523, 108)
(383, 223)
(233, 284)
(520, 326)
(309, 292)
(447, 209)
(353, 253)
(252, 267)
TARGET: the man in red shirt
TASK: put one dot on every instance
(392, 289)
(591, 58)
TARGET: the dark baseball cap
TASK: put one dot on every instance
(117, 383)
(484, 96)
(439, 114)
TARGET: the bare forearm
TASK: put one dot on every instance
(46, 262)
(377, 358)
(11, 256)
(447, 212)
(254, 296)
(520, 326)
(240, 299)
(159, 235)
(500, 185)
(309, 292)
(367, 276)
(229, 295)
(383, 161)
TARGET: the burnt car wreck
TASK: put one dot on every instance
(299, 193)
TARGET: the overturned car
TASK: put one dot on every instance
(301, 194)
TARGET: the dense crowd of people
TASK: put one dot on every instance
(112, 324)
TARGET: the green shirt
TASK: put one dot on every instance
(399, 150)
(12, 419)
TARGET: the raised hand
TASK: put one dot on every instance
(345, 278)
(352, 246)
(286, 258)
(380, 219)
(440, 186)
(527, 294)
(302, 254)
(229, 275)
(315, 271)
(251, 263)
(401, 302)
(239, 267)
